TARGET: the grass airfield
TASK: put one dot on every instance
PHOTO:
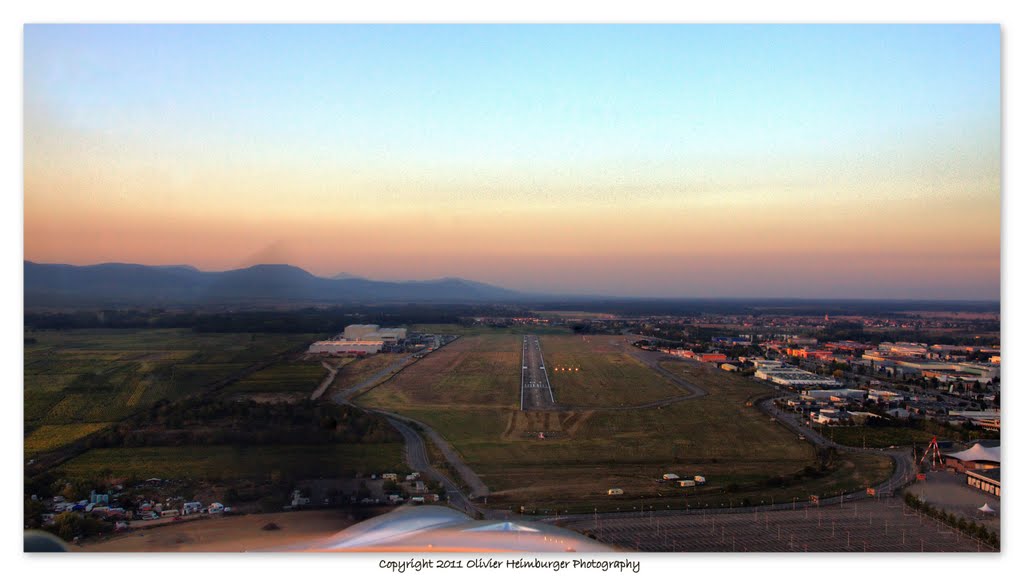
(469, 392)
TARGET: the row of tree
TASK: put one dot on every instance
(969, 527)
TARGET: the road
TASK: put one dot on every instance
(417, 459)
(475, 484)
(653, 361)
(903, 463)
(535, 388)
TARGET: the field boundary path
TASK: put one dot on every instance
(328, 380)
(378, 377)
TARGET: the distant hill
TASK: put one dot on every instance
(135, 284)
(346, 276)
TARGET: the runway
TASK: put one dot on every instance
(535, 387)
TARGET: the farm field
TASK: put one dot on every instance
(597, 371)
(79, 377)
(468, 392)
(221, 462)
(51, 436)
(355, 371)
(292, 378)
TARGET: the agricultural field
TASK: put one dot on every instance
(86, 377)
(289, 378)
(468, 392)
(471, 372)
(597, 371)
(236, 462)
(356, 371)
(51, 436)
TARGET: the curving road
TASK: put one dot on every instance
(417, 459)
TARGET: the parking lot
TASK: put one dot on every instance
(881, 525)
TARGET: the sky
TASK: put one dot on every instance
(836, 161)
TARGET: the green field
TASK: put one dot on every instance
(878, 436)
(476, 371)
(80, 377)
(236, 463)
(356, 371)
(468, 392)
(596, 371)
(51, 436)
(286, 377)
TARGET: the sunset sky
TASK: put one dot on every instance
(690, 161)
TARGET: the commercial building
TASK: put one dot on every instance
(830, 416)
(984, 418)
(903, 348)
(812, 354)
(838, 395)
(884, 396)
(984, 480)
(977, 457)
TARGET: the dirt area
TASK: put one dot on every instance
(229, 534)
(951, 493)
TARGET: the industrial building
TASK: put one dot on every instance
(837, 395)
(346, 347)
(374, 332)
(359, 331)
(359, 339)
(796, 378)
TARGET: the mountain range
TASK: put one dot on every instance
(140, 285)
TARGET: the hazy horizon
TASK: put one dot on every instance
(665, 161)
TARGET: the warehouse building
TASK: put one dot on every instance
(374, 332)
(338, 347)
(359, 331)
(796, 378)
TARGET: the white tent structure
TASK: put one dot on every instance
(977, 453)
(987, 509)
